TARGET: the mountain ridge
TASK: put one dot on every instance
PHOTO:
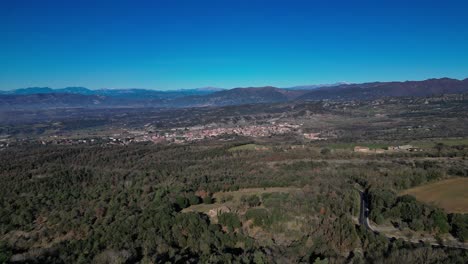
(133, 97)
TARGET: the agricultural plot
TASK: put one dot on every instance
(451, 194)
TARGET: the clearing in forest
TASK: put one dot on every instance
(248, 147)
(233, 199)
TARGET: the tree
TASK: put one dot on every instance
(439, 147)
(439, 221)
(251, 201)
(320, 261)
(379, 219)
(5, 252)
(325, 151)
(259, 257)
(182, 202)
(230, 220)
(193, 199)
(208, 200)
(459, 223)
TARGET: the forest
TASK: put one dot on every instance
(127, 204)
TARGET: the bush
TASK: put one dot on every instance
(5, 252)
(182, 202)
(226, 198)
(260, 217)
(208, 200)
(193, 199)
(231, 220)
(459, 223)
(325, 151)
(379, 219)
(439, 221)
(251, 201)
(416, 225)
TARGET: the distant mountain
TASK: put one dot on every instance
(209, 89)
(75, 90)
(47, 90)
(48, 100)
(314, 86)
(389, 89)
(237, 96)
(32, 90)
(66, 100)
(132, 93)
(43, 97)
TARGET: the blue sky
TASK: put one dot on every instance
(175, 44)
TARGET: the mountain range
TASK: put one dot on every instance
(44, 97)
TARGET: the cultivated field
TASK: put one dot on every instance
(451, 194)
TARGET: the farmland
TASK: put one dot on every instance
(450, 195)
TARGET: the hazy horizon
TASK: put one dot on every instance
(227, 88)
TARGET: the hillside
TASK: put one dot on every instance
(389, 89)
(65, 100)
(82, 97)
(239, 96)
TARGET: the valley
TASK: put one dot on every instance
(274, 182)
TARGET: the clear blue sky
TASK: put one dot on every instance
(171, 44)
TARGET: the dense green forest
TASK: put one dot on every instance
(123, 204)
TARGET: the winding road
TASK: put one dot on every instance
(364, 221)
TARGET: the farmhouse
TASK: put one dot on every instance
(404, 148)
(361, 149)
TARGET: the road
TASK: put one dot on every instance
(364, 212)
(364, 221)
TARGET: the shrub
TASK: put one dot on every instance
(208, 200)
(193, 199)
(251, 201)
(260, 217)
(231, 220)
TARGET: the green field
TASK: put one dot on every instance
(354, 144)
(424, 144)
(233, 199)
(248, 147)
(446, 141)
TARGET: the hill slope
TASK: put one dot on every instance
(43, 97)
(389, 89)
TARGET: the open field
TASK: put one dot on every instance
(236, 195)
(233, 199)
(451, 194)
(351, 145)
(445, 141)
(248, 147)
(424, 144)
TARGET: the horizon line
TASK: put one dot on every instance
(237, 87)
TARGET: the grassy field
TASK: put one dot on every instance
(424, 144)
(236, 195)
(351, 146)
(248, 147)
(233, 198)
(446, 141)
(451, 194)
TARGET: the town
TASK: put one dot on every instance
(173, 135)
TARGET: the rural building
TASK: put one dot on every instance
(361, 149)
(404, 148)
